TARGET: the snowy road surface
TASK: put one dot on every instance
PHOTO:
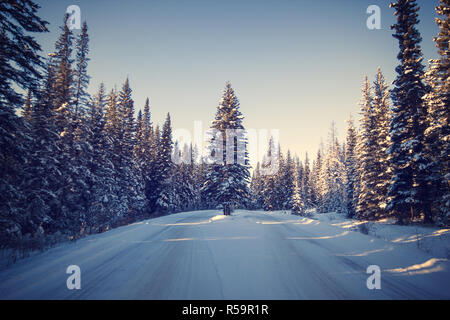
(250, 255)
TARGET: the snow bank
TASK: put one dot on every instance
(432, 240)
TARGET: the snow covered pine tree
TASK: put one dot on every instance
(408, 195)
(227, 181)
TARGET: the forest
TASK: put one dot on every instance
(74, 164)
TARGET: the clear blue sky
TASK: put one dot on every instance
(295, 65)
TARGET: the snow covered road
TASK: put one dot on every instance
(249, 255)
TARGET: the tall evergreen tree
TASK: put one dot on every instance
(81, 96)
(130, 180)
(367, 206)
(351, 159)
(228, 177)
(257, 187)
(437, 134)
(332, 176)
(408, 192)
(316, 197)
(43, 188)
(307, 185)
(269, 169)
(382, 116)
(287, 183)
(20, 67)
(167, 197)
(102, 184)
(64, 82)
(298, 205)
(20, 63)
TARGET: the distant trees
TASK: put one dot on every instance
(396, 164)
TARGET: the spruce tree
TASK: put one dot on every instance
(269, 170)
(298, 206)
(316, 196)
(257, 186)
(43, 188)
(102, 185)
(64, 84)
(287, 183)
(367, 206)
(437, 134)
(307, 185)
(331, 176)
(20, 63)
(408, 193)
(132, 195)
(167, 197)
(228, 177)
(351, 171)
(382, 116)
(81, 96)
(154, 175)
(20, 68)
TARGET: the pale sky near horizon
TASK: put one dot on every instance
(295, 65)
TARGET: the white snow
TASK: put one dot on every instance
(248, 255)
(430, 239)
(218, 217)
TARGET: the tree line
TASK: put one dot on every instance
(74, 164)
(397, 163)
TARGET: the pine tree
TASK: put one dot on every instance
(139, 140)
(60, 65)
(20, 67)
(167, 197)
(149, 146)
(101, 183)
(257, 187)
(287, 183)
(154, 174)
(299, 179)
(316, 197)
(408, 192)
(269, 171)
(131, 181)
(20, 63)
(184, 180)
(43, 188)
(351, 171)
(382, 116)
(111, 130)
(307, 185)
(278, 189)
(298, 206)
(81, 96)
(126, 126)
(228, 177)
(331, 177)
(64, 84)
(437, 134)
(367, 206)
